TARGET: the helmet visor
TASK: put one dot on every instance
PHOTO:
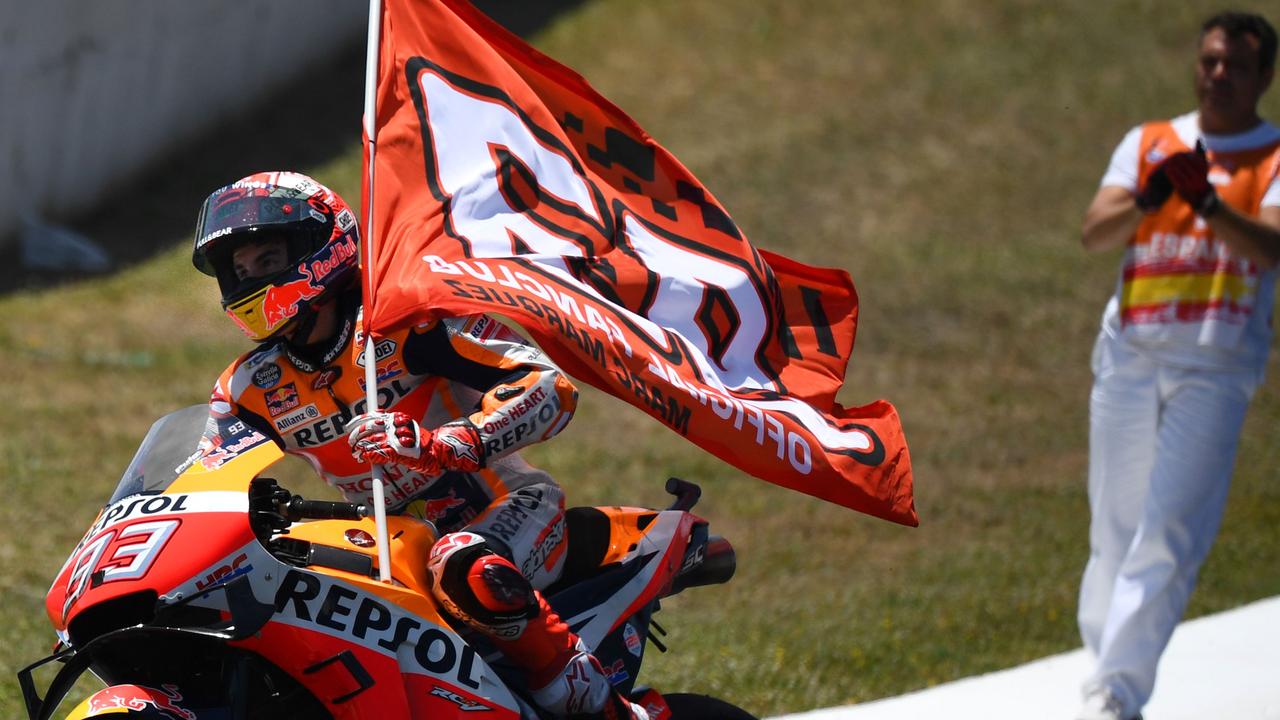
(234, 211)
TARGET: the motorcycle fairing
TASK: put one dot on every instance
(341, 637)
(245, 616)
(650, 558)
(410, 545)
(347, 631)
(148, 543)
(197, 504)
(123, 698)
(181, 533)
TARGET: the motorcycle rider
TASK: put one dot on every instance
(456, 399)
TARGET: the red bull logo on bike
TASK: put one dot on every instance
(435, 508)
(216, 457)
(139, 698)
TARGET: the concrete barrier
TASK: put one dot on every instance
(92, 92)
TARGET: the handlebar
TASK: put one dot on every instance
(272, 509)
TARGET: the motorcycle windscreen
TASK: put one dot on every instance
(180, 509)
(163, 452)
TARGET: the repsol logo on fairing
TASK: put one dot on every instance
(140, 506)
(371, 622)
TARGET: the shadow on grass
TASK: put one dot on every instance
(144, 214)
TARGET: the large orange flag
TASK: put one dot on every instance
(504, 184)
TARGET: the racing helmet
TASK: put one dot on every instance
(318, 230)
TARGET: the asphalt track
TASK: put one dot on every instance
(1218, 666)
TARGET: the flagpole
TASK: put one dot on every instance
(372, 53)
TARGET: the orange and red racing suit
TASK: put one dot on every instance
(471, 367)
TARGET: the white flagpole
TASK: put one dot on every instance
(370, 357)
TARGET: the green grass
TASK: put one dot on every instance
(943, 152)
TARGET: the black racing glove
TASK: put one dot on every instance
(1153, 194)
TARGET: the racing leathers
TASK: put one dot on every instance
(502, 525)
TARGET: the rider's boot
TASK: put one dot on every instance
(488, 592)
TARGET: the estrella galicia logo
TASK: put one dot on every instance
(267, 376)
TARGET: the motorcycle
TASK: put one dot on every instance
(205, 591)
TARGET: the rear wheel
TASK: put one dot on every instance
(688, 706)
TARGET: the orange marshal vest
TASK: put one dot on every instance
(1180, 284)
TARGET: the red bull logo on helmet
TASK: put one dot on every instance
(281, 302)
(339, 258)
(139, 697)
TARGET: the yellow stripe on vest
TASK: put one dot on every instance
(1186, 288)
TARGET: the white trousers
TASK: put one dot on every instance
(1162, 443)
